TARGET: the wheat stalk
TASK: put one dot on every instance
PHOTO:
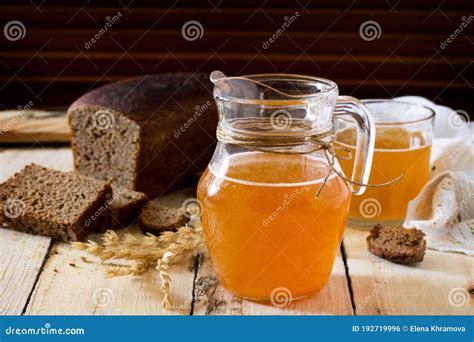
(163, 267)
(161, 251)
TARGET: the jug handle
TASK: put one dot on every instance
(348, 105)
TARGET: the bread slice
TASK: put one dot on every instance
(397, 244)
(124, 209)
(63, 205)
(155, 218)
(151, 133)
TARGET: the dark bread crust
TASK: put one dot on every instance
(397, 244)
(63, 205)
(123, 210)
(155, 218)
(160, 105)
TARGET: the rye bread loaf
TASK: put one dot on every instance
(151, 134)
(123, 210)
(63, 205)
(397, 244)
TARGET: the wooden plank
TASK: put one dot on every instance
(72, 283)
(239, 19)
(30, 126)
(21, 258)
(14, 159)
(22, 255)
(216, 5)
(380, 67)
(70, 274)
(367, 86)
(338, 43)
(440, 285)
(210, 298)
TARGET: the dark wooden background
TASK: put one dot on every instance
(50, 66)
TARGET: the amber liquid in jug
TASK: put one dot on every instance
(265, 228)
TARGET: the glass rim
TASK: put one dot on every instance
(331, 86)
(428, 116)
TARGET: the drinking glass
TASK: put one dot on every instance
(404, 133)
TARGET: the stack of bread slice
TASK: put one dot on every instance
(65, 205)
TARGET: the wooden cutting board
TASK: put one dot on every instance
(33, 126)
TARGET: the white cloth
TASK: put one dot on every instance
(444, 209)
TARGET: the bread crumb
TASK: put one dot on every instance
(84, 259)
(397, 244)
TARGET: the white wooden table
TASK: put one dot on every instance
(39, 276)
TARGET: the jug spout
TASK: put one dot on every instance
(216, 76)
(236, 88)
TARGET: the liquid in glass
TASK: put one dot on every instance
(398, 150)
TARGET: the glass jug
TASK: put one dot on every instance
(274, 209)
